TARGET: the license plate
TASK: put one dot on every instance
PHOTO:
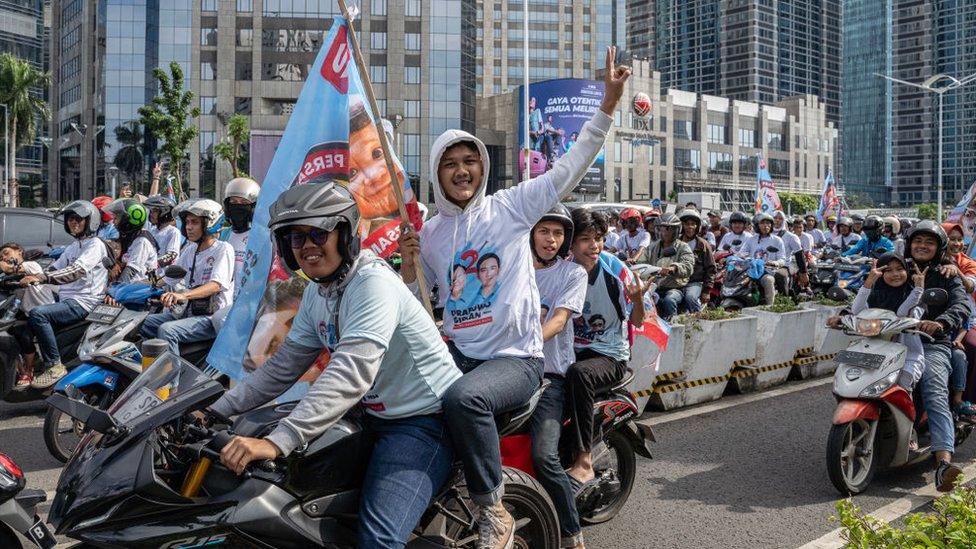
(143, 401)
(104, 314)
(868, 361)
(40, 534)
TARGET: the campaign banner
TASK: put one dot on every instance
(965, 214)
(766, 198)
(330, 137)
(828, 197)
(557, 111)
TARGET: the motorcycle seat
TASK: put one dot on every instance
(624, 381)
(511, 421)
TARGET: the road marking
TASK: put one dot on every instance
(729, 402)
(889, 513)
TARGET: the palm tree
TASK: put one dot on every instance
(129, 159)
(18, 79)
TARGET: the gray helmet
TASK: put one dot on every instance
(163, 204)
(932, 228)
(559, 214)
(857, 217)
(759, 217)
(668, 220)
(242, 187)
(845, 221)
(327, 206)
(85, 210)
(692, 213)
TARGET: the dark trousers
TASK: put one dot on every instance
(590, 375)
(545, 427)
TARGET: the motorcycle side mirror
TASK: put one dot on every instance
(736, 242)
(670, 251)
(727, 247)
(622, 256)
(33, 255)
(935, 297)
(175, 271)
(772, 249)
(837, 294)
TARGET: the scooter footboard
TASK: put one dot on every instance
(849, 410)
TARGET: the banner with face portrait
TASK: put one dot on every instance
(331, 136)
(965, 214)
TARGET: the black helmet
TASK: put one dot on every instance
(327, 206)
(872, 227)
(738, 217)
(85, 210)
(163, 204)
(928, 227)
(559, 214)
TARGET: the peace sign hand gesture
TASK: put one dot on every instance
(874, 274)
(614, 78)
(918, 279)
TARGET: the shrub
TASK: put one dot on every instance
(782, 304)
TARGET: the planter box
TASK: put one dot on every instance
(826, 343)
(670, 367)
(780, 338)
(710, 349)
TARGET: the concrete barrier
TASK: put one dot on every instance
(780, 338)
(826, 343)
(711, 349)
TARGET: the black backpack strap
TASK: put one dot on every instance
(613, 290)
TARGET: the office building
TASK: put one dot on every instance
(22, 33)
(746, 50)
(691, 142)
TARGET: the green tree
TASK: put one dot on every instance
(927, 211)
(129, 158)
(168, 118)
(18, 79)
(798, 203)
(229, 148)
(859, 201)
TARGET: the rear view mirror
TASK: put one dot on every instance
(736, 242)
(727, 247)
(33, 255)
(174, 271)
(622, 256)
(772, 249)
(837, 294)
(935, 297)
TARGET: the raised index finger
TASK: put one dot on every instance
(611, 54)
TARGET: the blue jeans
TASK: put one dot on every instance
(935, 396)
(487, 388)
(692, 300)
(545, 427)
(411, 459)
(668, 301)
(960, 371)
(44, 319)
(175, 331)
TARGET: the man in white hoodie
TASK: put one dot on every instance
(496, 338)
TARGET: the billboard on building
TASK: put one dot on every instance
(557, 111)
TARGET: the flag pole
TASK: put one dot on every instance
(384, 143)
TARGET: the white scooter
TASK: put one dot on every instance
(874, 422)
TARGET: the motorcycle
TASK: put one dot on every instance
(615, 444)
(720, 257)
(18, 515)
(148, 474)
(741, 285)
(822, 276)
(873, 424)
(851, 272)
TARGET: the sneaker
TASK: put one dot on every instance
(24, 380)
(496, 527)
(945, 476)
(49, 377)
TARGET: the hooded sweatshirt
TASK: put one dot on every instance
(481, 254)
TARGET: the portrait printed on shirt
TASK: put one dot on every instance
(598, 321)
(474, 283)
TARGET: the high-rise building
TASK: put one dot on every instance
(250, 57)
(640, 28)
(22, 34)
(750, 50)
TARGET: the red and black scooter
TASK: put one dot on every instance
(618, 438)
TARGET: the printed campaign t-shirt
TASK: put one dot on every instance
(89, 290)
(417, 368)
(630, 244)
(168, 238)
(561, 285)
(600, 328)
(141, 257)
(215, 264)
(730, 238)
(239, 242)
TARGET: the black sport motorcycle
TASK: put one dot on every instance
(148, 474)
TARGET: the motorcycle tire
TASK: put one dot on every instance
(53, 430)
(626, 471)
(836, 442)
(526, 500)
(10, 540)
(8, 374)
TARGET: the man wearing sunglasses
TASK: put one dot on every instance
(386, 352)
(209, 279)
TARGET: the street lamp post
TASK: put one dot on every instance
(6, 155)
(929, 86)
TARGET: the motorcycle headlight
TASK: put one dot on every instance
(870, 327)
(877, 388)
(87, 347)
(841, 284)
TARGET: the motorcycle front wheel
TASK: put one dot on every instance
(62, 433)
(850, 456)
(619, 461)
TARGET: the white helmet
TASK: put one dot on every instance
(204, 208)
(243, 187)
(892, 222)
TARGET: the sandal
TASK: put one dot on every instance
(24, 379)
(579, 487)
(966, 409)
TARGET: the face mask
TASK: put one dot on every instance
(240, 216)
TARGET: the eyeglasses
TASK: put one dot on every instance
(297, 239)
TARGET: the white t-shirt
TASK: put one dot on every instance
(89, 290)
(610, 241)
(731, 237)
(630, 244)
(843, 242)
(758, 248)
(141, 257)
(561, 285)
(215, 264)
(600, 328)
(791, 244)
(168, 238)
(239, 242)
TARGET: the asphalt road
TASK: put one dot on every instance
(750, 475)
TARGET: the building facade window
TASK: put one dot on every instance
(684, 129)
(377, 74)
(412, 41)
(208, 104)
(377, 40)
(413, 8)
(208, 5)
(775, 141)
(747, 138)
(245, 6)
(411, 75)
(716, 134)
(720, 162)
(411, 108)
(377, 7)
(688, 159)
